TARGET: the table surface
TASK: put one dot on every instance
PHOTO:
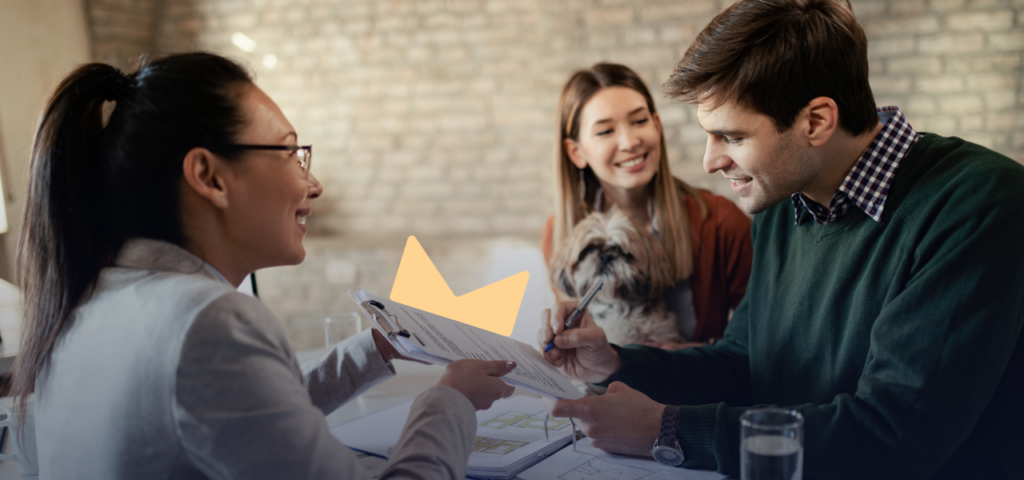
(411, 379)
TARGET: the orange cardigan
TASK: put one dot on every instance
(722, 253)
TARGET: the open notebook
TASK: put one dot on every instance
(438, 340)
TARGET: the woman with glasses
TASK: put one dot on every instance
(144, 360)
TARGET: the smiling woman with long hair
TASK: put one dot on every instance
(611, 151)
(144, 360)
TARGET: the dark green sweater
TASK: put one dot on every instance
(899, 341)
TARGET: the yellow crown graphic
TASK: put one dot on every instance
(419, 285)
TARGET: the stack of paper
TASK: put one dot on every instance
(438, 340)
(509, 438)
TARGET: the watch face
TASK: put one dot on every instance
(667, 455)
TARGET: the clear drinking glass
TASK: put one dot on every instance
(340, 327)
(771, 444)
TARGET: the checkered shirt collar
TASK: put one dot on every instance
(867, 184)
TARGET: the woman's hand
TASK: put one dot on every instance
(582, 353)
(387, 351)
(478, 380)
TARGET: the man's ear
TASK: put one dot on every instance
(572, 148)
(204, 174)
(820, 120)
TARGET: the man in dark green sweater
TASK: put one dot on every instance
(886, 298)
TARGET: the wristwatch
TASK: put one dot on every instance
(666, 448)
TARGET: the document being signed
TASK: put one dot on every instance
(438, 340)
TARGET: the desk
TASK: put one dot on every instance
(411, 379)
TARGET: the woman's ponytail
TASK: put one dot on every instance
(94, 184)
(61, 248)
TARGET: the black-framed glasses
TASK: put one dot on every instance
(303, 154)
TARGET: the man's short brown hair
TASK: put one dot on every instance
(774, 56)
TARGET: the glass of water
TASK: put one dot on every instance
(771, 444)
(340, 327)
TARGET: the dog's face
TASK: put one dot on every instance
(609, 247)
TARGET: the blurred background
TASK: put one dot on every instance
(436, 118)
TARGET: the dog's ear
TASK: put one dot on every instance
(565, 284)
(560, 266)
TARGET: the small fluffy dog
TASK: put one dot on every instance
(633, 264)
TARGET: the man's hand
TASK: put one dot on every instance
(582, 353)
(622, 420)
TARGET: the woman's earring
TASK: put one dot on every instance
(223, 200)
(583, 190)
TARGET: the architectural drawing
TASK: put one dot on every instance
(524, 420)
(600, 469)
(496, 446)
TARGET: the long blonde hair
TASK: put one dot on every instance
(574, 201)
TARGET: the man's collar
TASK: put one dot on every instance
(868, 182)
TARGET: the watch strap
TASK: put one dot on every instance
(667, 436)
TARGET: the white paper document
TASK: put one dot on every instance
(509, 438)
(439, 340)
(589, 463)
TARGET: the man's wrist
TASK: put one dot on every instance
(655, 424)
(667, 450)
(614, 364)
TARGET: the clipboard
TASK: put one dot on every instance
(433, 339)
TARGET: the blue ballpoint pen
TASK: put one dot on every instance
(577, 313)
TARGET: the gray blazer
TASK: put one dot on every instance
(168, 373)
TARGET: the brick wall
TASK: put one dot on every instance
(954, 66)
(436, 117)
(122, 29)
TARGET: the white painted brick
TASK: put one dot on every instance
(640, 36)
(677, 10)
(961, 104)
(946, 5)
(918, 65)
(902, 26)
(972, 122)
(903, 7)
(1002, 101)
(1001, 121)
(940, 124)
(951, 43)
(937, 85)
(1006, 42)
(989, 62)
(921, 105)
(603, 17)
(987, 82)
(888, 85)
(987, 21)
(887, 47)
(678, 34)
(869, 9)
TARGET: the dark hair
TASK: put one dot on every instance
(571, 206)
(93, 186)
(775, 56)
